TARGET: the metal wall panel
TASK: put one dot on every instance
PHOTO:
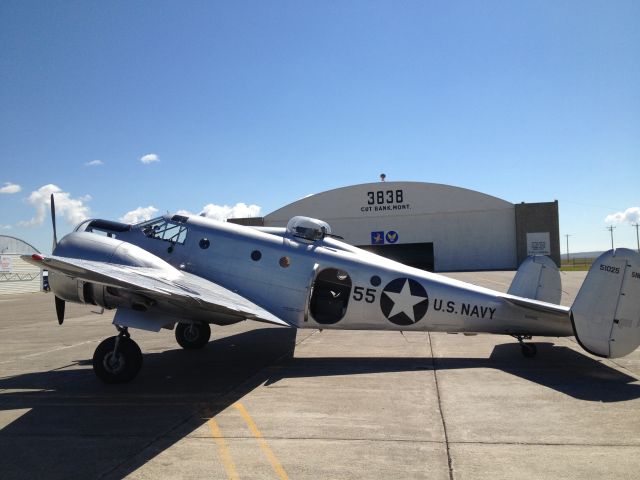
(21, 277)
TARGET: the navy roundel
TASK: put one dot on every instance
(404, 301)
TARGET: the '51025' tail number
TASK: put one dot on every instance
(609, 268)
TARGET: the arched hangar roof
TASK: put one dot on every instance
(389, 198)
(15, 245)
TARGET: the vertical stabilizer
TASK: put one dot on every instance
(606, 312)
(537, 278)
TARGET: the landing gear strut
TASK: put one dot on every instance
(117, 359)
(193, 335)
(529, 350)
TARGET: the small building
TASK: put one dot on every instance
(431, 226)
(16, 275)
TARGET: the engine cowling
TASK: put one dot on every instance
(90, 246)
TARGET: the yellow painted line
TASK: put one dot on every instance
(275, 464)
(223, 450)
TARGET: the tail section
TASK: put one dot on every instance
(606, 312)
(538, 278)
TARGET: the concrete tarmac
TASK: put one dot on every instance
(271, 402)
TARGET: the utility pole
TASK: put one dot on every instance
(637, 237)
(610, 228)
(567, 235)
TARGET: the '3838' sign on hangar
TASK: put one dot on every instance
(385, 200)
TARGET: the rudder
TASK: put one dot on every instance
(606, 312)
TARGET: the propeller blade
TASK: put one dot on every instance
(60, 310)
(53, 221)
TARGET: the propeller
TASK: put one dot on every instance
(59, 302)
(60, 310)
(53, 221)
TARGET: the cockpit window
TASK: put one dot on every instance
(103, 227)
(163, 230)
(82, 227)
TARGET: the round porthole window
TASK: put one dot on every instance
(285, 262)
(256, 255)
(204, 243)
(375, 280)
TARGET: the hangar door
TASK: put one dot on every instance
(418, 255)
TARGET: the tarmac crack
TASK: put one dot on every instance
(328, 439)
(444, 423)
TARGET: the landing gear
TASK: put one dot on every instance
(117, 359)
(529, 350)
(194, 335)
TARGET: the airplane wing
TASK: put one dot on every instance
(179, 289)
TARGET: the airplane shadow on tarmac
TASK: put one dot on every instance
(76, 427)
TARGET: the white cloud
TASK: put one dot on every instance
(630, 215)
(222, 212)
(5, 227)
(94, 163)
(149, 158)
(73, 210)
(10, 188)
(140, 214)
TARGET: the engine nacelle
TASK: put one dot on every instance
(90, 246)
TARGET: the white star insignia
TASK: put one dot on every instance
(404, 302)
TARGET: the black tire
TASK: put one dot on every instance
(192, 336)
(121, 369)
(529, 350)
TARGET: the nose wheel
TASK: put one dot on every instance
(194, 335)
(117, 359)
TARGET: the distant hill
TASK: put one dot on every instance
(581, 255)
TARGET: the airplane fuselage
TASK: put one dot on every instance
(327, 283)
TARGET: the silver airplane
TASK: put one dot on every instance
(186, 272)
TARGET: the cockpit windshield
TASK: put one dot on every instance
(164, 230)
(102, 227)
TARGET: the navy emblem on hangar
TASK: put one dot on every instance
(391, 236)
(404, 301)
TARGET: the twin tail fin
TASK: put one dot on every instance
(606, 312)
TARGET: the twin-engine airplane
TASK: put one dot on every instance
(188, 272)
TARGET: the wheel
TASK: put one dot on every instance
(193, 335)
(529, 350)
(121, 367)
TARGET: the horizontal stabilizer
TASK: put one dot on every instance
(537, 278)
(606, 312)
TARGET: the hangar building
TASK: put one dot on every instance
(431, 226)
(16, 275)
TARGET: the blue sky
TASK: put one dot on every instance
(263, 103)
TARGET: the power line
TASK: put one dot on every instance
(611, 228)
(567, 235)
(637, 237)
